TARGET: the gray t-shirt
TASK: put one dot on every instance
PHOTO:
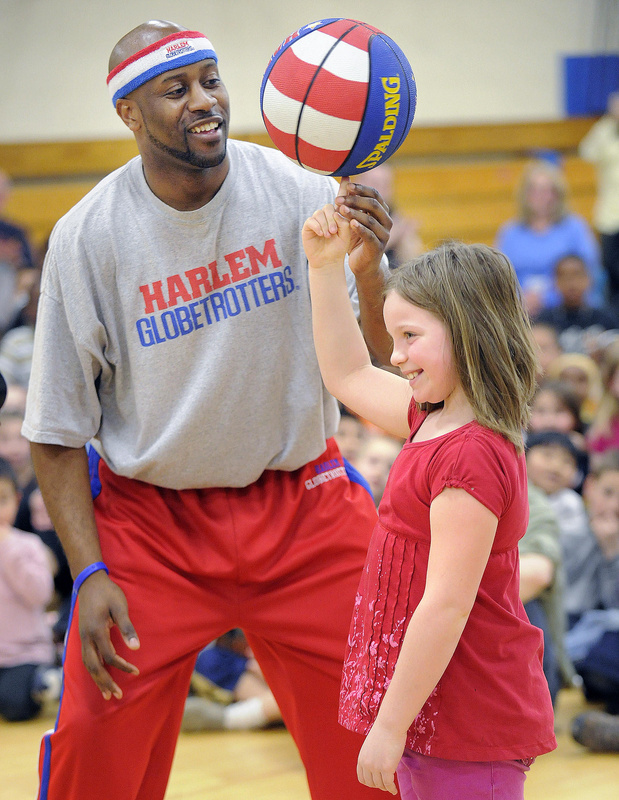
(181, 342)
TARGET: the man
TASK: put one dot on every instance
(16, 262)
(601, 147)
(174, 330)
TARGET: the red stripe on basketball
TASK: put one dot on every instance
(283, 141)
(329, 93)
(338, 97)
(291, 76)
(319, 159)
(360, 36)
(342, 26)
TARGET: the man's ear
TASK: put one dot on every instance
(129, 112)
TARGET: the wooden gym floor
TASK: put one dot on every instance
(264, 765)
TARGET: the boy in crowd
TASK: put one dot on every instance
(581, 328)
(552, 466)
(593, 580)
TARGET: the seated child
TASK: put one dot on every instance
(547, 344)
(541, 587)
(603, 433)
(228, 691)
(375, 459)
(28, 674)
(582, 374)
(593, 583)
(350, 435)
(581, 327)
(556, 407)
(552, 466)
(592, 570)
(14, 447)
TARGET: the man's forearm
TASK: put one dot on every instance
(370, 292)
(64, 481)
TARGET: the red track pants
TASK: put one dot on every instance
(280, 559)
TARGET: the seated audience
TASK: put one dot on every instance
(548, 348)
(16, 262)
(592, 559)
(582, 375)
(544, 232)
(32, 517)
(582, 328)
(351, 434)
(592, 594)
(375, 459)
(15, 399)
(228, 691)
(541, 587)
(16, 346)
(15, 448)
(556, 407)
(28, 672)
(603, 433)
(552, 466)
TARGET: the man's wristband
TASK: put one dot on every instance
(86, 573)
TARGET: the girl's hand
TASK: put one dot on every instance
(326, 237)
(379, 758)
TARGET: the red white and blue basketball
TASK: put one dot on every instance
(338, 97)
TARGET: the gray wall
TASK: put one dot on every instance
(474, 60)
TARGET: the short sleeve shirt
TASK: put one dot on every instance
(492, 701)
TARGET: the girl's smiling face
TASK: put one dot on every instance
(422, 350)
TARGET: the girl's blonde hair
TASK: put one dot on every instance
(473, 290)
(559, 184)
(587, 365)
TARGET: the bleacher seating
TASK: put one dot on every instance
(457, 180)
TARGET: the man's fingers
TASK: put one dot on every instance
(343, 190)
(94, 664)
(120, 617)
(103, 606)
(363, 197)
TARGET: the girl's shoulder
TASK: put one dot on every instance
(470, 436)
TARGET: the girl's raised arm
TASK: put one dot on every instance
(375, 394)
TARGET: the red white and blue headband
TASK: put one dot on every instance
(177, 50)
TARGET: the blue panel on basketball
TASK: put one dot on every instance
(390, 109)
(338, 97)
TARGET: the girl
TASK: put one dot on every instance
(583, 375)
(444, 671)
(556, 407)
(603, 433)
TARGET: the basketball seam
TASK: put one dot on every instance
(367, 98)
(309, 88)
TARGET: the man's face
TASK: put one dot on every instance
(185, 116)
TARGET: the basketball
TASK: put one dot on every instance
(338, 97)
